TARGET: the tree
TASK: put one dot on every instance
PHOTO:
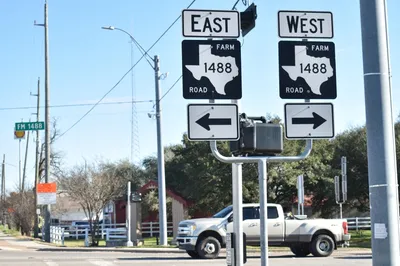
(93, 186)
(23, 214)
(199, 177)
(353, 144)
(55, 156)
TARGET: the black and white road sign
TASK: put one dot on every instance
(211, 69)
(213, 122)
(210, 23)
(305, 24)
(309, 121)
(307, 70)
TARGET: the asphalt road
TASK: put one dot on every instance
(36, 258)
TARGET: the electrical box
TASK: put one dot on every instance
(258, 138)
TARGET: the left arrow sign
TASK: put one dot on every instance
(206, 121)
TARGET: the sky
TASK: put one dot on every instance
(86, 62)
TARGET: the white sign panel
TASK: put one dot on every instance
(46, 198)
(210, 23)
(305, 24)
(213, 122)
(309, 121)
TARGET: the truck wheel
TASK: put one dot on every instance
(193, 254)
(208, 248)
(322, 246)
(300, 250)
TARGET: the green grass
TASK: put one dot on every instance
(149, 242)
(360, 239)
(80, 243)
(152, 242)
(11, 232)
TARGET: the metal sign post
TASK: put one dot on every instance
(300, 195)
(342, 188)
(262, 166)
(344, 177)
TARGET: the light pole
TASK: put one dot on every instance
(160, 148)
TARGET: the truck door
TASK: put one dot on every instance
(251, 224)
(275, 225)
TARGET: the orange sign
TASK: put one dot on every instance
(19, 134)
(46, 188)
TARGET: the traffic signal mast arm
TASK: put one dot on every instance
(256, 159)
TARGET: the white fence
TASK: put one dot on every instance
(152, 229)
(106, 231)
(116, 233)
(359, 223)
(79, 231)
(57, 235)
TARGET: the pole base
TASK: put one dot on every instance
(129, 244)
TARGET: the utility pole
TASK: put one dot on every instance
(160, 160)
(36, 222)
(26, 155)
(3, 190)
(382, 170)
(47, 215)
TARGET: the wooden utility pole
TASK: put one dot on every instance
(47, 210)
(3, 190)
(36, 222)
(26, 157)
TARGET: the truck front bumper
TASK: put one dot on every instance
(186, 242)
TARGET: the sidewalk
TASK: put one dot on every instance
(11, 243)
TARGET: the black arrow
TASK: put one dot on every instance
(317, 120)
(206, 121)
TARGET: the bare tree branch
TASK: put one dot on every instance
(93, 186)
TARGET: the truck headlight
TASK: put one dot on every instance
(192, 228)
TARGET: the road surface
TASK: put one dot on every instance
(72, 258)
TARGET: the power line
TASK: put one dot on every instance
(143, 55)
(116, 84)
(173, 85)
(162, 35)
(72, 105)
(142, 51)
(140, 48)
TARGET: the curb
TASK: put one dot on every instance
(129, 250)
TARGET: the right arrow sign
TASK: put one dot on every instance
(309, 121)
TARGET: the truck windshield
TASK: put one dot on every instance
(224, 212)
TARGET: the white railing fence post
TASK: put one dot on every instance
(357, 224)
(86, 237)
(62, 236)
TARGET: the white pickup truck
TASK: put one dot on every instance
(203, 238)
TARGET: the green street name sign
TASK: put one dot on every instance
(23, 126)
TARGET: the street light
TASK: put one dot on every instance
(160, 148)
